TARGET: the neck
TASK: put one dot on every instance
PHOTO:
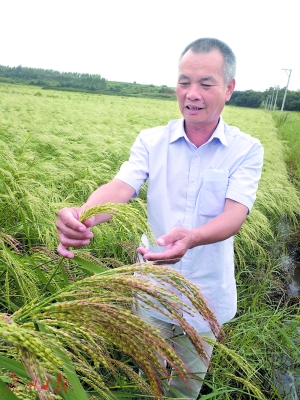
(199, 134)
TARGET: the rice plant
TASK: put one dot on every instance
(67, 144)
(87, 318)
(288, 125)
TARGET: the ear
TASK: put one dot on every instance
(229, 89)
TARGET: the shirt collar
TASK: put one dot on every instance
(177, 132)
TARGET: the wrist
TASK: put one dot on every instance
(195, 238)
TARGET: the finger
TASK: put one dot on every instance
(174, 235)
(168, 256)
(88, 223)
(69, 217)
(73, 225)
(71, 241)
(142, 250)
(63, 251)
(167, 261)
(67, 232)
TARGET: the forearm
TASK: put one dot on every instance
(179, 239)
(114, 191)
(220, 228)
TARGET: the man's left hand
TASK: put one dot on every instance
(177, 242)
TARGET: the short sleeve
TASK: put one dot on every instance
(243, 182)
(135, 171)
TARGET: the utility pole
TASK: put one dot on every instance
(289, 75)
(271, 103)
(266, 103)
(277, 88)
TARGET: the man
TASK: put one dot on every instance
(202, 181)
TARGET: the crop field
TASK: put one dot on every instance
(288, 125)
(68, 324)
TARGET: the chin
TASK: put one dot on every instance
(195, 120)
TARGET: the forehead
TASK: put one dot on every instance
(211, 63)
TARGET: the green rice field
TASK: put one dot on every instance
(71, 320)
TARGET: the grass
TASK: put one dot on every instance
(64, 146)
(288, 126)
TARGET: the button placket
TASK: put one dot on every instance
(192, 190)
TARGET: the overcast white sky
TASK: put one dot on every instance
(140, 40)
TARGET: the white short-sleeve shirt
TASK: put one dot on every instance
(187, 186)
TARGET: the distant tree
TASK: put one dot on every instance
(166, 90)
(51, 78)
(292, 101)
(248, 98)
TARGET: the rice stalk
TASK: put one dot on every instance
(124, 215)
(20, 283)
(99, 314)
(256, 392)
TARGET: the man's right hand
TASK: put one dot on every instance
(71, 232)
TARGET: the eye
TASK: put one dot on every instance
(184, 84)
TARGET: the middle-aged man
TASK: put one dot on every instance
(202, 181)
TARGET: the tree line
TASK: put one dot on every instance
(50, 78)
(73, 81)
(253, 99)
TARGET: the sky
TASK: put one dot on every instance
(141, 40)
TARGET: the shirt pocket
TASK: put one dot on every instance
(213, 192)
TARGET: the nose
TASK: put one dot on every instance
(193, 93)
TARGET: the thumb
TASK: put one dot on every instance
(168, 238)
(161, 241)
(172, 236)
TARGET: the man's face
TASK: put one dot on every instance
(201, 90)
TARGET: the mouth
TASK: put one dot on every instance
(193, 108)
